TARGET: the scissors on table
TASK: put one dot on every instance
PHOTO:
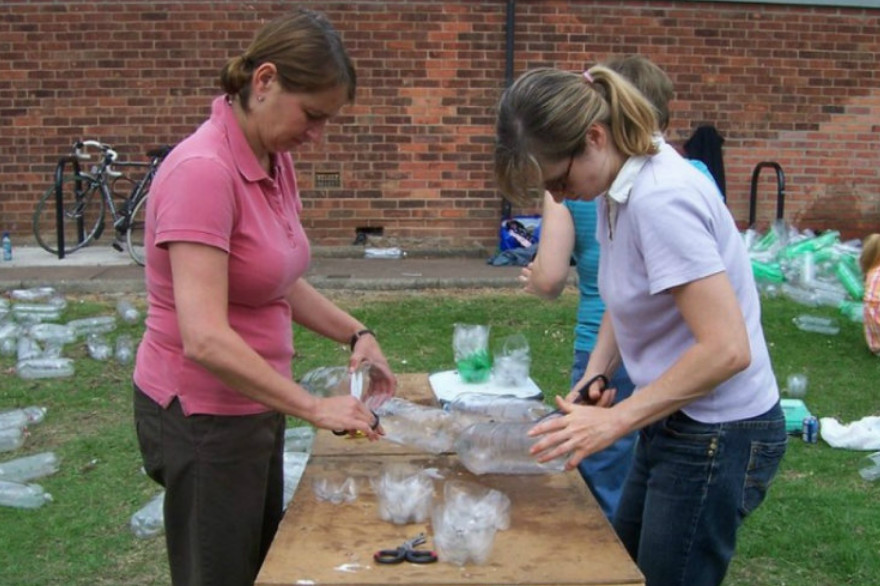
(583, 397)
(406, 551)
(356, 388)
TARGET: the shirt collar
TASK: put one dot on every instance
(623, 183)
(245, 159)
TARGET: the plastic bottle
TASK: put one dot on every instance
(502, 447)
(765, 271)
(127, 311)
(32, 294)
(28, 348)
(393, 252)
(850, 280)
(29, 468)
(93, 325)
(124, 349)
(149, 521)
(504, 408)
(36, 312)
(22, 417)
(9, 339)
(12, 438)
(98, 347)
(59, 333)
(7, 246)
(23, 496)
(815, 323)
(853, 310)
(45, 368)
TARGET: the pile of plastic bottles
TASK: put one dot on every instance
(810, 269)
(16, 488)
(28, 331)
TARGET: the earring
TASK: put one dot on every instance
(261, 98)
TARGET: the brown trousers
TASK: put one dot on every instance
(223, 479)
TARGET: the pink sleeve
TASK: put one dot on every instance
(195, 203)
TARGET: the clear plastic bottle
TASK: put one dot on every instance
(148, 521)
(36, 312)
(45, 368)
(23, 496)
(29, 468)
(32, 294)
(98, 347)
(502, 447)
(127, 312)
(93, 325)
(22, 417)
(27, 348)
(48, 332)
(7, 246)
(818, 324)
(504, 408)
(392, 252)
(12, 438)
(124, 349)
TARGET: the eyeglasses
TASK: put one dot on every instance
(560, 184)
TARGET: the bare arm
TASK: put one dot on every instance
(314, 311)
(720, 350)
(200, 276)
(547, 274)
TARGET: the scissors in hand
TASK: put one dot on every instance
(357, 390)
(406, 552)
(583, 397)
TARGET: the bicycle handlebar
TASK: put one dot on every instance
(109, 154)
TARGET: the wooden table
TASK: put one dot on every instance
(557, 535)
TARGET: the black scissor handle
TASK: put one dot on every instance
(584, 391)
(390, 556)
(421, 556)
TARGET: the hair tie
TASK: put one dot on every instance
(588, 77)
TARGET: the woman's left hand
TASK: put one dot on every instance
(581, 430)
(382, 384)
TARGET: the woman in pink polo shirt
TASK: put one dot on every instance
(226, 253)
(681, 312)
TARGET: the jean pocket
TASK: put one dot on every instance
(764, 461)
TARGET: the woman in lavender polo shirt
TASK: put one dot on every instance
(682, 314)
(226, 252)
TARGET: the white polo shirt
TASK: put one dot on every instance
(667, 226)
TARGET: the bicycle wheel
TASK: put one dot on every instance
(136, 232)
(82, 218)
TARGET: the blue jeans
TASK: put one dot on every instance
(691, 486)
(605, 472)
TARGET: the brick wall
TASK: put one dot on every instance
(795, 85)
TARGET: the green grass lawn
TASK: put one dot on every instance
(819, 525)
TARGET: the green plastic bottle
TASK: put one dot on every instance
(850, 280)
(767, 271)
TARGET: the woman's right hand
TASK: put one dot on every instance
(348, 413)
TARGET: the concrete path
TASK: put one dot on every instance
(101, 269)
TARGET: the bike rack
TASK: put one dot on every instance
(59, 201)
(780, 190)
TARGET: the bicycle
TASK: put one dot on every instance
(86, 195)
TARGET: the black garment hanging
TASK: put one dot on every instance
(705, 145)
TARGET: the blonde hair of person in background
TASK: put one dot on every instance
(559, 107)
(869, 260)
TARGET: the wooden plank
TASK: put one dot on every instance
(558, 534)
